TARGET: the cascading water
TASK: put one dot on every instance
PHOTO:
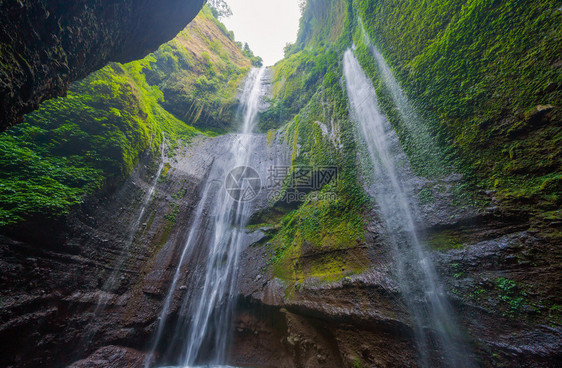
(112, 280)
(223, 215)
(437, 334)
(421, 138)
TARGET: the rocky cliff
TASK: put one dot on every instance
(318, 285)
(50, 294)
(45, 45)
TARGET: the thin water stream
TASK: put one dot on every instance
(420, 136)
(112, 280)
(438, 337)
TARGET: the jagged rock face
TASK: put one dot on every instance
(45, 45)
(49, 292)
(114, 356)
(362, 320)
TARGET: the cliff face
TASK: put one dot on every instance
(50, 294)
(199, 73)
(318, 284)
(91, 139)
(45, 45)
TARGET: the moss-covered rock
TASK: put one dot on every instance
(92, 139)
(46, 44)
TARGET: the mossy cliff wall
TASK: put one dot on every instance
(486, 78)
(481, 80)
(199, 73)
(46, 44)
(485, 98)
(91, 140)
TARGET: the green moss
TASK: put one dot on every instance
(179, 194)
(357, 363)
(164, 235)
(478, 292)
(270, 137)
(94, 137)
(483, 76)
(165, 171)
(150, 221)
(173, 214)
(425, 195)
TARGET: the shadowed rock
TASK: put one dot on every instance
(112, 356)
(47, 44)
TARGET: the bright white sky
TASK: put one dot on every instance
(266, 25)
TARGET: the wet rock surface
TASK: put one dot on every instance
(112, 356)
(64, 42)
(502, 277)
(50, 291)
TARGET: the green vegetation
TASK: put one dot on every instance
(513, 299)
(510, 295)
(485, 83)
(199, 73)
(173, 214)
(73, 146)
(93, 138)
(323, 36)
(308, 98)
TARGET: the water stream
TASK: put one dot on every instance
(112, 280)
(420, 137)
(438, 337)
(218, 226)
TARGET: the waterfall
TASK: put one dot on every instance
(218, 226)
(421, 138)
(438, 337)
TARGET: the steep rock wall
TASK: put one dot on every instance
(491, 231)
(50, 292)
(199, 73)
(45, 45)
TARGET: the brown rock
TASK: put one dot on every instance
(112, 357)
